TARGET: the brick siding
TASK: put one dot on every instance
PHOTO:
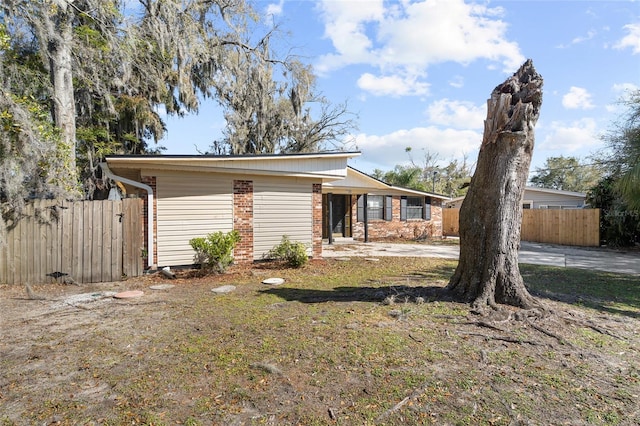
(409, 229)
(243, 220)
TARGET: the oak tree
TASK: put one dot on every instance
(491, 214)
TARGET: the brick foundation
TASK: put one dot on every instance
(243, 220)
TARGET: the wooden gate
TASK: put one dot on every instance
(89, 241)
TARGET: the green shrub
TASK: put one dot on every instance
(213, 252)
(294, 254)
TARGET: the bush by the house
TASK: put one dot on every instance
(293, 253)
(213, 252)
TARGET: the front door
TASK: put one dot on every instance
(338, 215)
(340, 225)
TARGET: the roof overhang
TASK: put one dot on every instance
(357, 182)
(327, 166)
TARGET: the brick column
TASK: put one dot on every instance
(436, 217)
(151, 181)
(316, 205)
(243, 220)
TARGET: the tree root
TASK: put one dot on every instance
(593, 327)
(560, 339)
(487, 325)
(504, 339)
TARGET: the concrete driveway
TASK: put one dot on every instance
(533, 253)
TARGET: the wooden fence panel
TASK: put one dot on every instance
(450, 219)
(83, 239)
(132, 237)
(579, 227)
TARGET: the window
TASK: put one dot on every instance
(415, 208)
(379, 207)
(375, 207)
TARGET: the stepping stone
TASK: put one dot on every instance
(128, 294)
(224, 289)
(162, 287)
(273, 281)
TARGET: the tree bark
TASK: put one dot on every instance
(59, 44)
(491, 214)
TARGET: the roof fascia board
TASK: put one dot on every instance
(555, 191)
(204, 158)
(152, 169)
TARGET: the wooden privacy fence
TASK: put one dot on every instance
(567, 227)
(89, 241)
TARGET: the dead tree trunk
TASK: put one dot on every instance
(491, 214)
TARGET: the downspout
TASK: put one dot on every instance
(108, 173)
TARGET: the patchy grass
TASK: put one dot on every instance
(341, 342)
(604, 291)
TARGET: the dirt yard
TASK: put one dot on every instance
(349, 342)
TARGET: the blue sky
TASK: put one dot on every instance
(418, 73)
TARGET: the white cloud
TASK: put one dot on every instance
(632, 39)
(345, 24)
(386, 151)
(457, 82)
(623, 88)
(393, 85)
(580, 39)
(620, 91)
(457, 114)
(571, 137)
(577, 98)
(407, 37)
(274, 9)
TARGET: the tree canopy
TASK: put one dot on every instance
(426, 175)
(567, 174)
(617, 194)
(624, 141)
(87, 78)
(265, 114)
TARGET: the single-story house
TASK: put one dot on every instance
(391, 211)
(264, 197)
(540, 198)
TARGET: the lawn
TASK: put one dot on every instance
(348, 342)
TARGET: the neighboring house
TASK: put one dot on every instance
(540, 198)
(263, 197)
(391, 211)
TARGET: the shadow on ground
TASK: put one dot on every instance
(359, 294)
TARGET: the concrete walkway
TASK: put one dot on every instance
(532, 253)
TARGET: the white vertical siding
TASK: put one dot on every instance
(190, 205)
(549, 199)
(281, 207)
